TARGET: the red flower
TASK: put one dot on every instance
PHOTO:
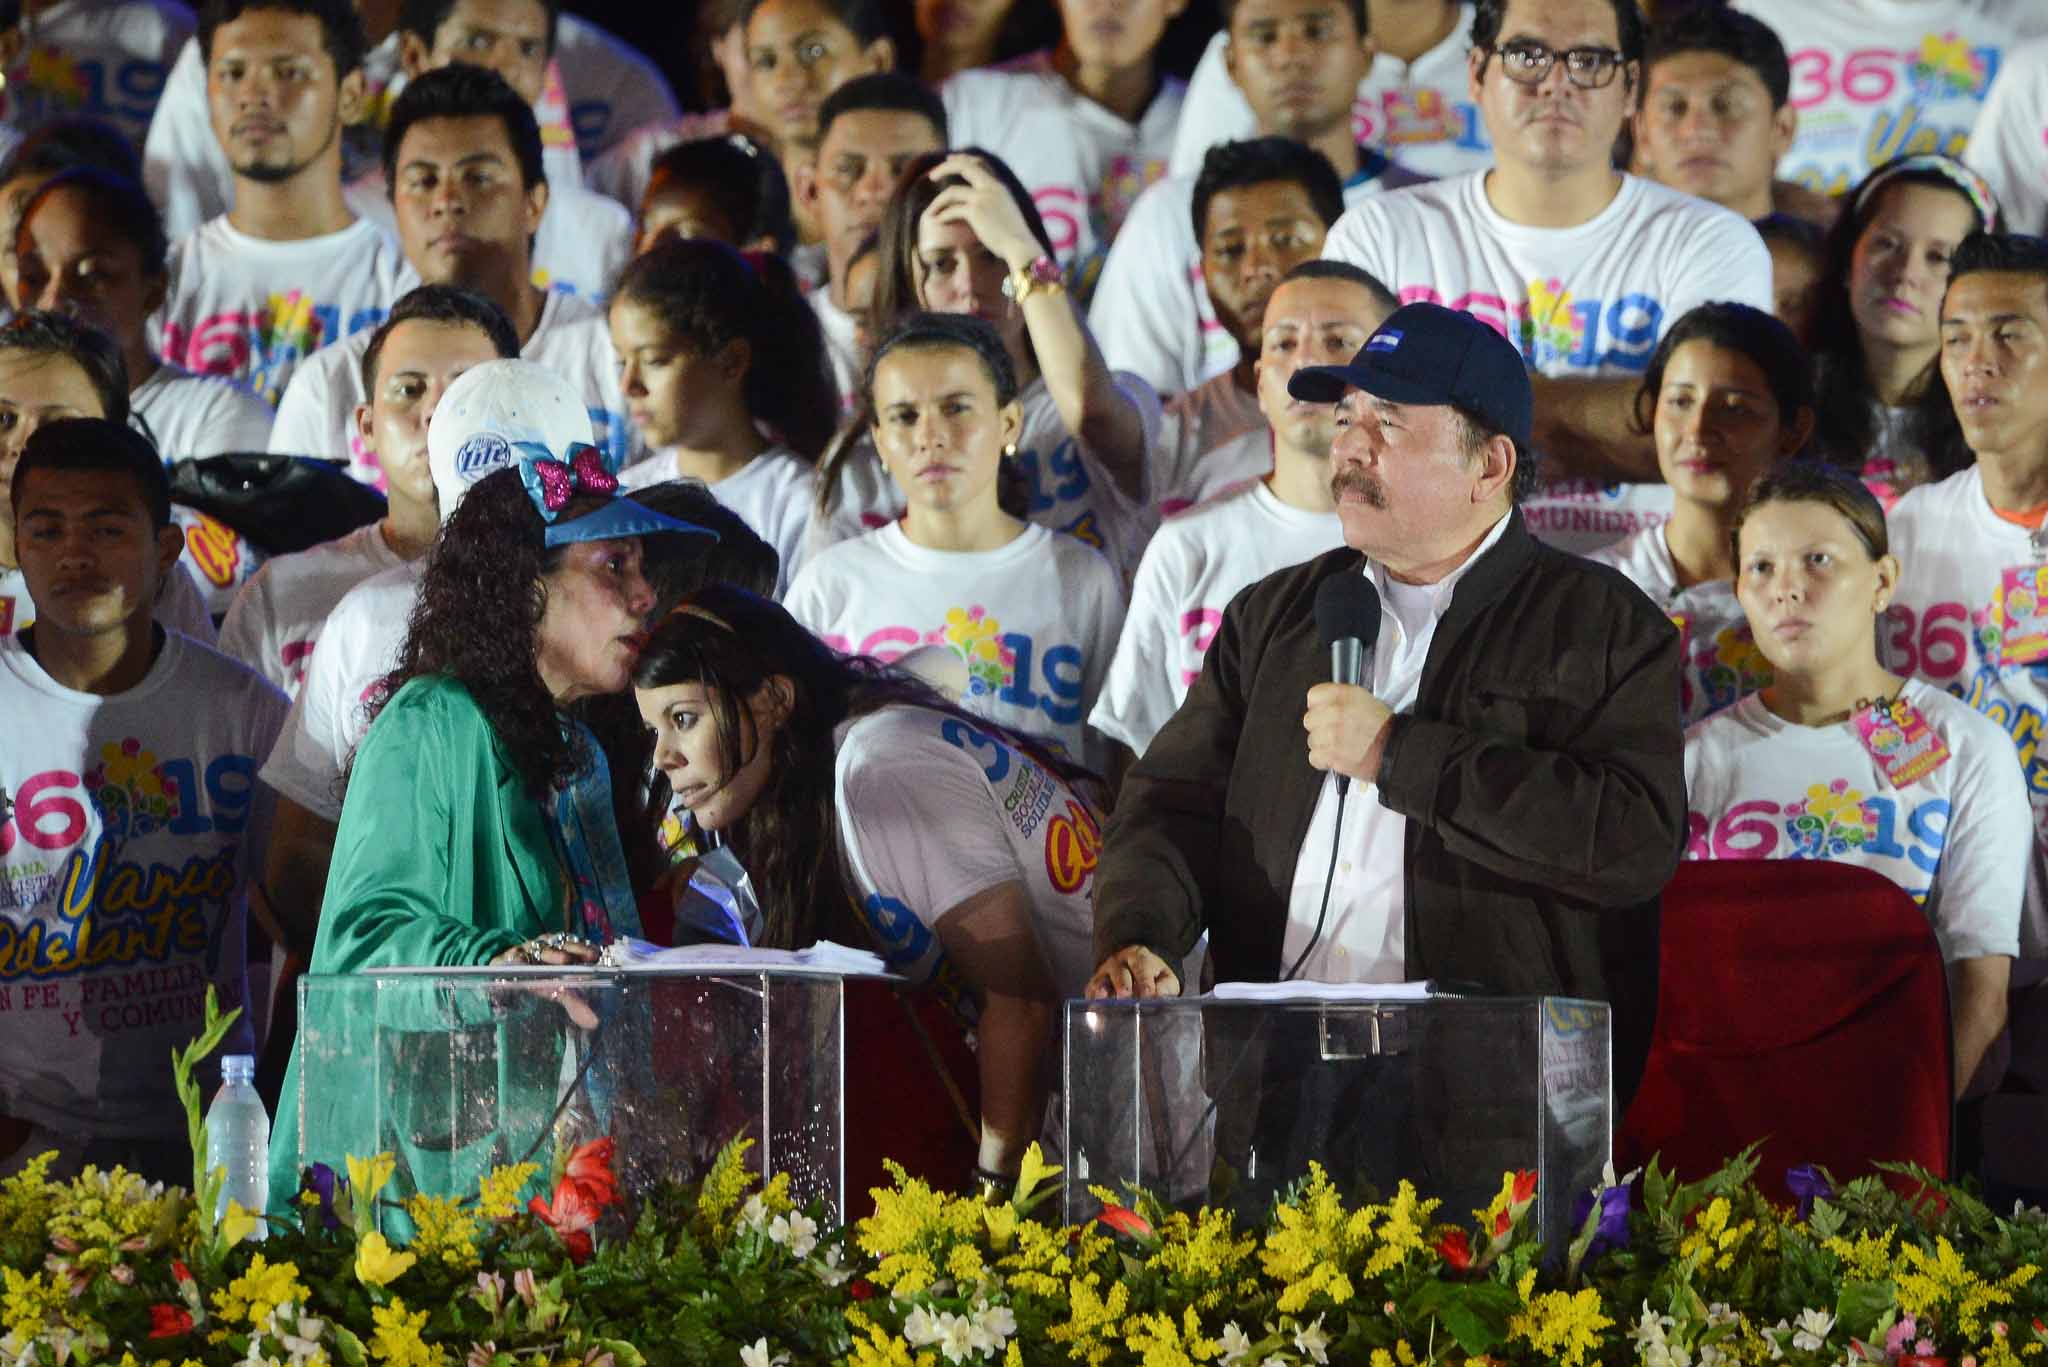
(590, 1167)
(1124, 1220)
(861, 1289)
(1525, 1186)
(1455, 1250)
(571, 1216)
(180, 1271)
(1501, 1222)
(169, 1321)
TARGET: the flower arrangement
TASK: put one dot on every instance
(547, 1269)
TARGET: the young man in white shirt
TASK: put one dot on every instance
(1198, 560)
(869, 130)
(462, 163)
(1086, 127)
(289, 268)
(433, 335)
(1971, 547)
(1299, 63)
(2006, 146)
(1581, 266)
(146, 744)
(1411, 105)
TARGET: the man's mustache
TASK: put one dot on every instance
(1366, 486)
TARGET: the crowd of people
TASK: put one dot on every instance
(915, 481)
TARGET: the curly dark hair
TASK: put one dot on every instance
(733, 642)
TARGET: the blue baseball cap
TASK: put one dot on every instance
(1427, 354)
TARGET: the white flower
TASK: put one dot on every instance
(956, 1336)
(831, 1271)
(755, 1354)
(753, 1214)
(1811, 1333)
(1274, 1360)
(1650, 1328)
(1236, 1345)
(993, 1326)
(1774, 1339)
(920, 1330)
(1313, 1340)
(1720, 1313)
(1710, 1356)
(798, 1231)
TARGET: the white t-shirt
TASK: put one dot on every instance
(932, 811)
(1760, 787)
(613, 87)
(582, 243)
(623, 172)
(1590, 300)
(217, 560)
(138, 829)
(842, 347)
(1722, 661)
(1210, 438)
(200, 415)
(1083, 165)
(1036, 620)
(180, 606)
(278, 615)
(1197, 562)
(773, 494)
(316, 417)
(104, 58)
(2010, 143)
(1878, 79)
(1944, 626)
(252, 309)
(1151, 312)
(359, 645)
(1070, 491)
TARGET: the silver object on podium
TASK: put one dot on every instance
(1225, 1101)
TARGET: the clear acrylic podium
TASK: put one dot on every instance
(457, 1070)
(1201, 1100)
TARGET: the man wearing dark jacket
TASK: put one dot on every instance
(1518, 792)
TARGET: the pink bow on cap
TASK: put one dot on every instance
(551, 484)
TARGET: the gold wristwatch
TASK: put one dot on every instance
(1041, 275)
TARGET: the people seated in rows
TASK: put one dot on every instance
(962, 236)
(1965, 613)
(1838, 758)
(1085, 126)
(462, 167)
(1285, 512)
(52, 368)
(1153, 310)
(475, 795)
(2005, 145)
(725, 375)
(150, 742)
(289, 268)
(1032, 615)
(106, 59)
(870, 131)
(1412, 104)
(434, 334)
(1876, 321)
(59, 145)
(1582, 266)
(1258, 210)
(729, 188)
(869, 810)
(1726, 398)
(1797, 253)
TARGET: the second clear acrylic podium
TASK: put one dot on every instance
(1207, 1100)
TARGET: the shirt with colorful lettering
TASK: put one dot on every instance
(1722, 662)
(1957, 839)
(105, 59)
(135, 829)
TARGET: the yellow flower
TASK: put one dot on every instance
(1034, 1171)
(442, 1229)
(238, 1224)
(366, 1177)
(397, 1340)
(964, 1264)
(251, 1297)
(725, 1184)
(498, 1191)
(1868, 1259)
(1002, 1226)
(28, 1305)
(1562, 1326)
(378, 1264)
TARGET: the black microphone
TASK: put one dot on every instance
(1348, 620)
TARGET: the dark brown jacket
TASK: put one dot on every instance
(1541, 769)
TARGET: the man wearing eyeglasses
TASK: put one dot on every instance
(1581, 266)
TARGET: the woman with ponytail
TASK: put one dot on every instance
(725, 376)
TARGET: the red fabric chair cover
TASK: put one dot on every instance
(898, 1104)
(1801, 1003)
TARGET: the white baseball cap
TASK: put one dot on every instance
(486, 410)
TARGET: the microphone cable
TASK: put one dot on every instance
(1329, 878)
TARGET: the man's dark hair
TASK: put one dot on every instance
(2006, 253)
(1322, 268)
(118, 202)
(1489, 15)
(1739, 37)
(97, 444)
(10, 14)
(450, 304)
(461, 91)
(341, 29)
(887, 92)
(866, 20)
(1262, 161)
(423, 18)
(1478, 431)
(40, 332)
(741, 179)
(740, 557)
(1357, 9)
(75, 140)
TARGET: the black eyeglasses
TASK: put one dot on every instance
(1526, 62)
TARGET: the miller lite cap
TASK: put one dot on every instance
(486, 410)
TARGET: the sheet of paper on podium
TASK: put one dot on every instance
(824, 957)
(1300, 990)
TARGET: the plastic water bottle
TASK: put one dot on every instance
(238, 1137)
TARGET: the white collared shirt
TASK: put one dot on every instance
(1363, 934)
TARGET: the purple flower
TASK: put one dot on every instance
(1612, 1231)
(322, 1181)
(1807, 1185)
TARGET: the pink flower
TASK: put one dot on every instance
(571, 1216)
(524, 1286)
